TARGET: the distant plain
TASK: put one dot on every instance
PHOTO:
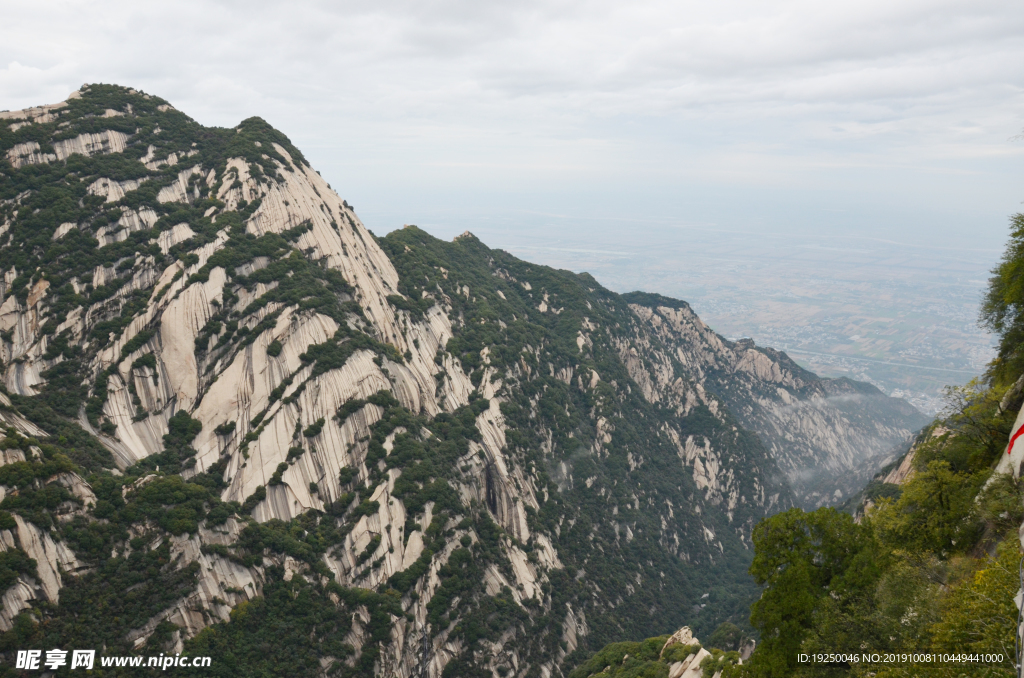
(901, 315)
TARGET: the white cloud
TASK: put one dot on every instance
(581, 105)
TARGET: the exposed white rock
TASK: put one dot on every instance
(80, 489)
(494, 483)
(178, 191)
(64, 229)
(689, 667)
(52, 557)
(39, 114)
(803, 423)
(244, 388)
(107, 141)
(180, 324)
(22, 425)
(153, 163)
(177, 234)
(112, 190)
(129, 222)
(222, 584)
(329, 451)
(903, 472)
(1010, 461)
(272, 399)
(15, 599)
(28, 153)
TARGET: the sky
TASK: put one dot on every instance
(888, 119)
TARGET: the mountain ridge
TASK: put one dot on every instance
(465, 463)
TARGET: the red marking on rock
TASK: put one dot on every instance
(1016, 435)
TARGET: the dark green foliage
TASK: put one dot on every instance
(299, 281)
(279, 537)
(219, 514)
(122, 595)
(799, 558)
(288, 630)
(94, 406)
(314, 429)
(182, 429)
(146, 360)
(14, 562)
(380, 398)
(56, 193)
(178, 452)
(725, 664)
(137, 342)
(36, 501)
(346, 475)
(415, 307)
(225, 429)
(1002, 311)
(258, 495)
(591, 493)
(23, 474)
(1000, 504)
(366, 508)
(653, 659)
(64, 437)
(630, 660)
(276, 478)
(915, 574)
(369, 550)
(171, 503)
(529, 341)
(726, 637)
(877, 490)
(162, 635)
(332, 354)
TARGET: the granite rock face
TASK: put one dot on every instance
(828, 436)
(595, 461)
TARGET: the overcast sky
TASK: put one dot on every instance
(889, 118)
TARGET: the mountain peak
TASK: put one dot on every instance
(233, 392)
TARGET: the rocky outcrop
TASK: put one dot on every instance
(581, 429)
(113, 190)
(1013, 459)
(30, 153)
(828, 436)
(223, 584)
(689, 667)
(54, 561)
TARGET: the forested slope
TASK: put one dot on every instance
(930, 565)
(240, 424)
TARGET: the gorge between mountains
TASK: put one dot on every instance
(240, 424)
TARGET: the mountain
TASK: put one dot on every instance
(239, 424)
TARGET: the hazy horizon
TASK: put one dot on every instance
(693, 129)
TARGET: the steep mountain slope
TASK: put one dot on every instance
(827, 435)
(241, 425)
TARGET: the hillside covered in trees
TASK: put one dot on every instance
(929, 561)
(237, 423)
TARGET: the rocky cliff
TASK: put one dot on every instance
(224, 395)
(827, 435)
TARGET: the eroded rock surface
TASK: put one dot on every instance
(471, 461)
